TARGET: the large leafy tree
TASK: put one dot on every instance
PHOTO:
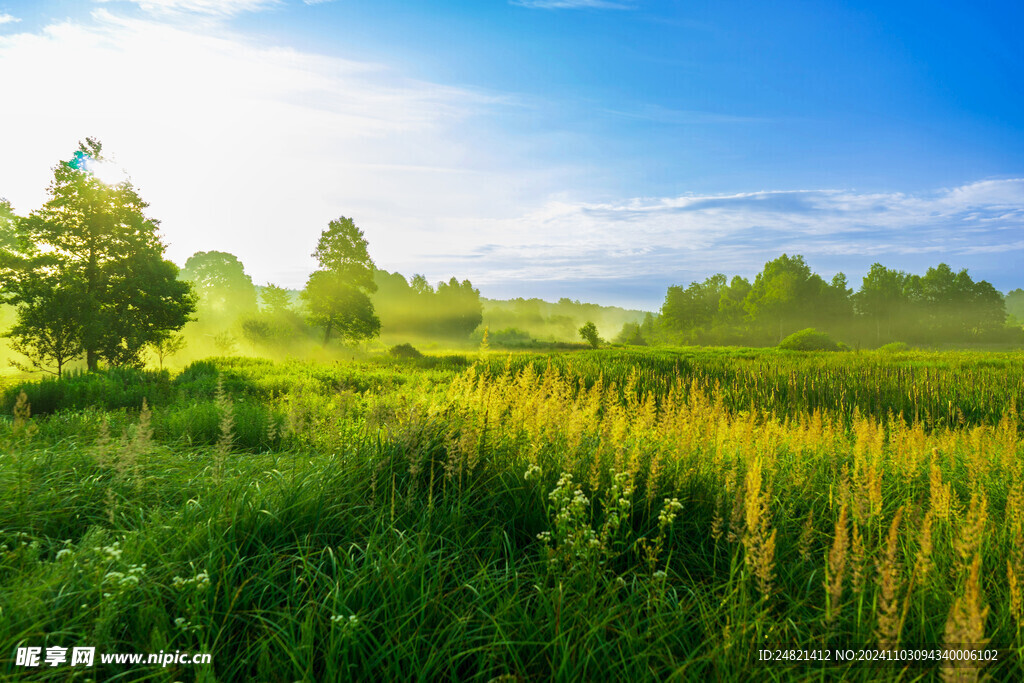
(695, 306)
(48, 329)
(91, 270)
(337, 295)
(1014, 301)
(459, 308)
(957, 307)
(781, 292)
(342, 250)
(882, 298)
(223, 289)
(786, 295)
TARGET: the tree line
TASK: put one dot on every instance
(87, 280)
(330, 307)
(942, 305)
(86, 277)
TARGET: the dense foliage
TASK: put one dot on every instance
(942, 306)
(86, 272)
(810, 340)
(337, 296)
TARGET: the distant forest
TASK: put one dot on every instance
(942, 306)
(232, 312)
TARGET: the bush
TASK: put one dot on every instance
(894, 347)
(510, 337)
(405, 351)
(107, 389)
(810, 340)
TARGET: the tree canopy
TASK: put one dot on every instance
(222, 287)
(941, 305)
(337, 295)
(90, 271)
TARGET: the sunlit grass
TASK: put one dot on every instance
(604, 515)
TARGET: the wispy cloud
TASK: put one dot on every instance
(8, 19)
(208, 7)
(573, 4)
(671, 239)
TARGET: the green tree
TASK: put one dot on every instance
(589, 334)
(631, 334)
(694, 307)
(1014, 301)
(48, 331)
(459, 308)
(420, 285)
(9, 233)
(881, 298)
(336, 306)
(276, 300)
(109, 259)
(783, 292)
(337, 295)
(730, 301)
(223, 289)
(167, 347)
(957, 307)
(276, 324)
(342, 250)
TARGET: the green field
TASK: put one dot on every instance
(619, 514)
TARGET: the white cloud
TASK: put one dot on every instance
(573, 4)
(660, 238)
(8, 19)
(210, 7)
(252, 149)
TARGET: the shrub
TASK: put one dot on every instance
(810, 340)
(894, 347)
(510, 337)
(108, 389)
(405, 351)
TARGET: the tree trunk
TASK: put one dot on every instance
(327, 333)
(91, 276)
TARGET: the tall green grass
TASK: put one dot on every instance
(523, 519)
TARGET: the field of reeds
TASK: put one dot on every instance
(618, 514)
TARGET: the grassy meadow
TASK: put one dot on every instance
(618, 514)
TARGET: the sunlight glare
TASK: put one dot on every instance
(107, 172)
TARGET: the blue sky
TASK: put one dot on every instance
(600, 150)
